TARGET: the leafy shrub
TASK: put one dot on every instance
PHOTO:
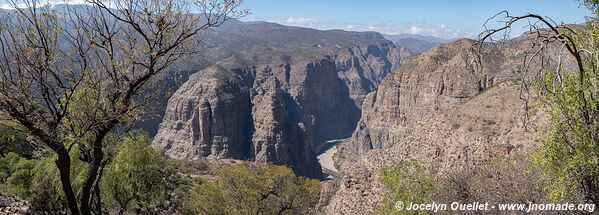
(455, 126)
(135, 176)
(13, 139)
(254, 189)
(569, 154)
(407, 182)
(16, 173)
(138, 177)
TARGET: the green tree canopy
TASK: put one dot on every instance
(255, 189)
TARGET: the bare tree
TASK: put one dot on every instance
(568, 91)
(72, 76)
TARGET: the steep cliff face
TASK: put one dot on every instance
(487, 126)
(276, 93)
(443, 110)
(432, 81)
(278, 138)
(362, 59)
(364, 67)
(275, 110)
(207, 117)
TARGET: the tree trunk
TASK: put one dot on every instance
(92, 173)
(96, 190)
(64, 167)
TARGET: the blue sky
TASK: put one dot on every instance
(447, 19)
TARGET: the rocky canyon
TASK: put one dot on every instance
(278, 103)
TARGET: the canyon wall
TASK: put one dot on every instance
(274, 107)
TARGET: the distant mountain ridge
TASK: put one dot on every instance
(432, 39)
(416, 43)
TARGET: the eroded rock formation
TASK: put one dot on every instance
(275, 108)
(443, 110)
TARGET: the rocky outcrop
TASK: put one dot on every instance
(364, 67)
(274, 93)
(443, 110)
(432, 81)
(277, 137)
(208, 116)
(487, 126)
(275, 110)
(13, 205)
(362, 59)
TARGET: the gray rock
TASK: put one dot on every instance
(207, 117)
(277, 106)
(13, 205)
(443, 111)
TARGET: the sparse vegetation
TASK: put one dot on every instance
(569, 154)
(407, 182)
(502, 180)
(511, 179)
(489, 122)
(455, 126)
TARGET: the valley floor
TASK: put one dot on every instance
(325, 151)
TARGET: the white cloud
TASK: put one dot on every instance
(421, 28)
(410, 27)
(302, 21)
(416, 30)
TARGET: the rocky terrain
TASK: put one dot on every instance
(442, 109)
(13, 205)
(277, 101)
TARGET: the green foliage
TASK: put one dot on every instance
(569, 152)
(456, 126)
(138, 176)
(46, 187)
(569, 155)
(408, 182)
(254, 189)
(16, 173)
(591, 4)
(13, 139)
(499, 180)
(38, 180)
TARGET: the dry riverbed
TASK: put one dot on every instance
(325, 151)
